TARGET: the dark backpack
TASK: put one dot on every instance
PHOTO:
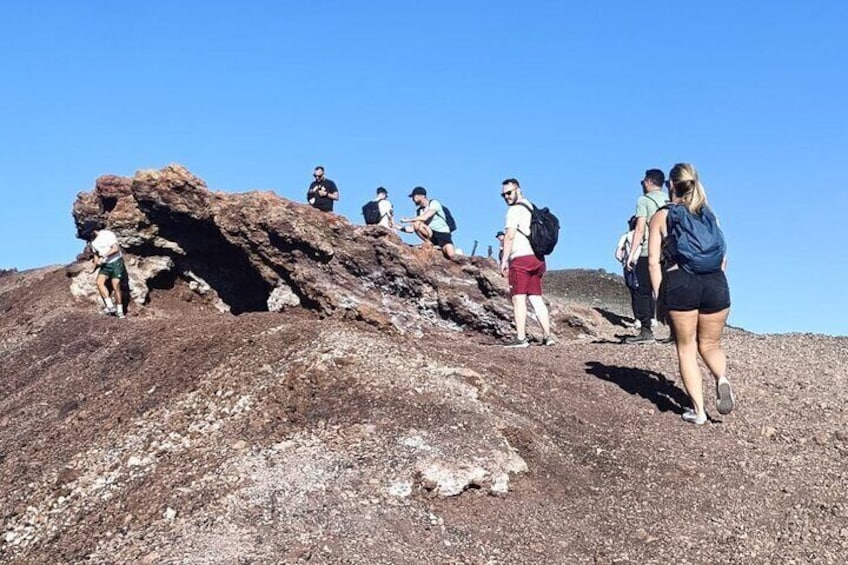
(371, 213)
(695, 241)
(544, 230)
(449, 219)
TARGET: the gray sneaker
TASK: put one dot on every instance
(517, 343)
(108, 311)
(549, 340)
(645, 336)
(724, 397)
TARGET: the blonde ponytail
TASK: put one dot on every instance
(687, 187)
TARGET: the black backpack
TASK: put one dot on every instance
(371, 213)
(449, 219)
(544, 230)
(446, 214)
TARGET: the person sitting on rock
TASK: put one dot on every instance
(110, 260)
(322, 193)
(430, 224)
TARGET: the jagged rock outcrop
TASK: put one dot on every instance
(257, 251)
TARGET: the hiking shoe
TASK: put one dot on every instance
(108, 311)
(692, 417)
(120, 315)
(724, 397)
(669, 339)
(549, 340)
(517, 343)
(644, 337)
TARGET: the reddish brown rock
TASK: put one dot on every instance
(244, 246)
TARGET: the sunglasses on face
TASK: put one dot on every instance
(507, 194)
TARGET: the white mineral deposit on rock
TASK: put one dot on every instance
(400, 489)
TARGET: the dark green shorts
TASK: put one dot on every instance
(114, 270)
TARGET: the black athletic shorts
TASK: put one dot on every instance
(683, 291)
(441, 238)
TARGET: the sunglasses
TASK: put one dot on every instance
(507, 194)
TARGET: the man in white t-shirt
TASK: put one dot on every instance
(110, 260)
(387, 217)
(520, 264)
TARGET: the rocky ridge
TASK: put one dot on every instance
(331, 433)
(256, 252)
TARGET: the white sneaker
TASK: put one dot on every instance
(109, 311)
(724, 397)
(690, 416)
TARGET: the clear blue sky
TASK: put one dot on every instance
(575, 99)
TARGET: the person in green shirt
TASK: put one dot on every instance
(644, 305)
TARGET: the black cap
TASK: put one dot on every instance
(381, 190)
(418, 191)
(500, 233)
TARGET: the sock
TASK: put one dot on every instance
(108, 302)
(120, 308)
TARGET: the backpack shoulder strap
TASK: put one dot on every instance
(654, 200)
(441, 211)
(529, 209)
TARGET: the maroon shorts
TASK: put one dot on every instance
(525, 275)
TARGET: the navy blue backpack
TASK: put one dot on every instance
(695, 241)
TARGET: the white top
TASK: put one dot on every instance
(385, 208)
(103, 242)
(625, 243)
(518, 218)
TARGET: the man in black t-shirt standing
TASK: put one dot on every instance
(322, 192)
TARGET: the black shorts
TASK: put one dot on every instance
(441, 238)
(682, 291)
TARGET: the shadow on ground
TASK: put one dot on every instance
(650, 385)
(613, 318)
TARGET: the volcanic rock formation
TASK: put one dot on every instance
(256, 251)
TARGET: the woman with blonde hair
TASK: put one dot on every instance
(686, 258)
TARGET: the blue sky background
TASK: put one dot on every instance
(576, 100)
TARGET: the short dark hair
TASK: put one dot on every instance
(656, 176)
(319, 167)
(511, 181)
(87, 228)
(381, 190)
